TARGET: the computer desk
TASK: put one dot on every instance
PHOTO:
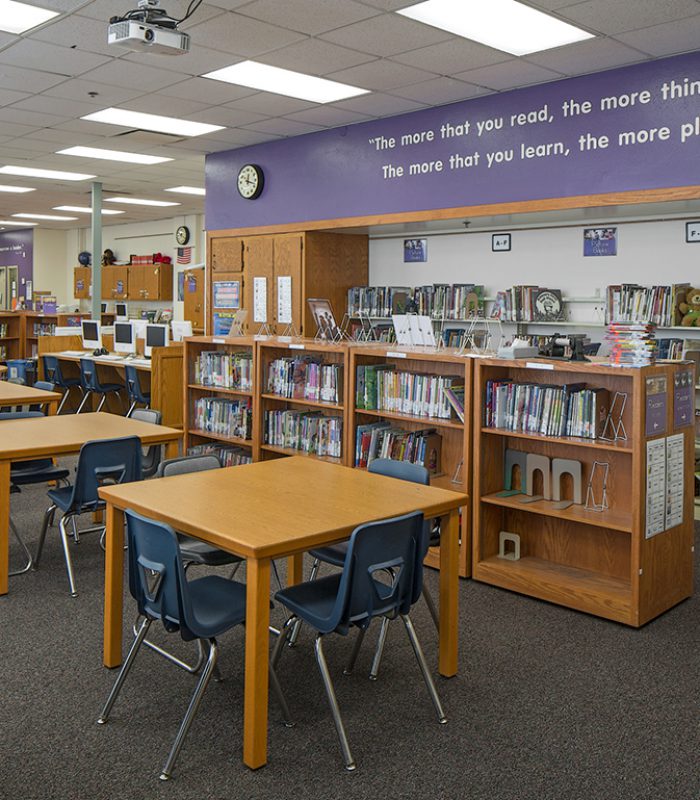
(275, 509)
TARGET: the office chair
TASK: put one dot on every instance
(355, 596)
(151, 457)
(100, 463)
(90, 384)
(201, 609)
(133, 389)
(26, 473)
(53, 374)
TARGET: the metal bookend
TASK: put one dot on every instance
(457, 477)
(614, 430)
(591, 504)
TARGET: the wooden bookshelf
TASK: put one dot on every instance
(273, 348)
(196, 389)
(599, 562)
(456, 435)
(10, 335)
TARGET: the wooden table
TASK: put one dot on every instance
(25, 439)
(273, 509)
(13, 394)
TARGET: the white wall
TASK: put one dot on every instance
(51, 256)
(648, 253)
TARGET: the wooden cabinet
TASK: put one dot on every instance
(594, 554)
(11, 338)
(151, 282)
(194, 298)
(82, 282)
(295, 267)
(115, 282)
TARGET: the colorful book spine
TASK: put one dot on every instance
(308, 432)
(228, 456)
(224, 417)
(224, 370)
(305, 379)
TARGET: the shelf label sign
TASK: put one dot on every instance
(683, 398)
(656, 405)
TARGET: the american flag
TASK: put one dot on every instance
(184, 255)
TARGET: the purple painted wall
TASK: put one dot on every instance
(343, 172)
(17, 249)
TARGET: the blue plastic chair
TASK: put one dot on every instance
(100, 463)
(355, 596)
(201, 609)
(90, 384)
(53, 373)
(133, 389)
(152, 454)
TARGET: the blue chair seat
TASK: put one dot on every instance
(333, 554)
(41, 470)
(217, 604)
(203, 553)
(62, 498)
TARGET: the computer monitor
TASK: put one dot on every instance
(181, 330)
(139, 326)
(121, 312)
(156, 336)
(124, 339)
(92, 335)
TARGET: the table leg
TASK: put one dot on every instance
(295, 567)
(114, 580)
(172, 449)
(257, 654)
(52, 408)
(449, 594)
(4, 526)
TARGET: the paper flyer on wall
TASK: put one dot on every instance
(284, 299)
(656, 487)
(260, 300)
(674, 480)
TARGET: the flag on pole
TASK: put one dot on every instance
(184, 255)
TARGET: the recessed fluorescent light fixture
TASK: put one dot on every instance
(285, 81)
(187, 190)
(45, 216)
(504, 24)
(112, 155)
(136, 201)
(20, 17)
(15, 222)
(52, 174)
(151, 122)
(86, 209)
(15, 189)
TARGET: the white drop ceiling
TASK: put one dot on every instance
(55, 74)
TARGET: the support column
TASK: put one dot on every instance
(96, 249)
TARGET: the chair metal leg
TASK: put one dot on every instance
(131, 408)
(279, 694)
(63, 400)
(192, 710)
(193, 669)
(124, 671)
(379, 650)
(431, 606)
(427, 677)
(332, 701)
(27, 553)
(355, 650)
(83, 401)
(66, 553)
(284, 633)
(102, 401)
(48, 520)
(312, 577)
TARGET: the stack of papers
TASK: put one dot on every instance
(631, 344)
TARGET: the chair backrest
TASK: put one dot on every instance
(103, 462)
(185, 464)
(156, 576)
(152, 454)
(133, 383)
(150, 415)
(88, 374)
(403, 470)
(45, 386)
(376, 547)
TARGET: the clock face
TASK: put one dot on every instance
(250, 181)
(182, 234)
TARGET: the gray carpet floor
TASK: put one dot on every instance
(548, 703)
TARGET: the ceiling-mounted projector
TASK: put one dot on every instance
(148, 29)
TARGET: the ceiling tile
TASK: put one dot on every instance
(315, 57)
(207, 91)
(127, 74)
(380, 105)
(27, 80)
(309, 16)
(32, 118)
(508, 75)
(665, 40)
(80, 89)
(242, 36)
(7, 96)
(57, 106)
(328, 116)
(380, 75)
(57, 139)
(229, 5)
(227, 116)
(103, 10)
(61, 5)
(388, 5)
(50, 58)
(271, 105)
(387, 35)
(456, 55)
(80, 32)
(167, 106)
(196, 62)
(592, 55)
(552, 5)
(283, 127)
(611, 18)
(440, 90)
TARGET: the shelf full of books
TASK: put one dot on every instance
(439, 301)
(582, 488)
(413, 405)
(302, 398)
(219, 405)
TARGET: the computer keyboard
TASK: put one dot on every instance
(142, 361)
(74, 353)
(110, 357)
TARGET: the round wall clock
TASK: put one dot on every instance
(182, 234)
(250, 181)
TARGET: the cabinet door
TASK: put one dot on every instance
(259, 260)
(194, 298)
(107, 283)
(82, 278)
(137, 283)
(150, 289)
(288, 269)
(227, 254)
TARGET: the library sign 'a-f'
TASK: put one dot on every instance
(628, 129)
